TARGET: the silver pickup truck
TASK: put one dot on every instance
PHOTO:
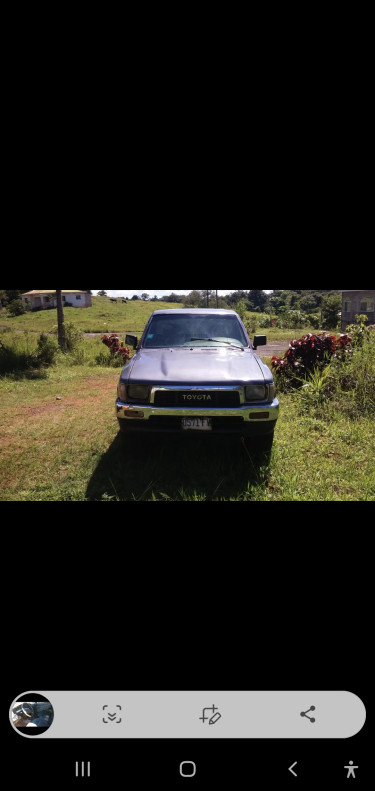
(198, 371)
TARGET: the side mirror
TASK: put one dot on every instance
(131, 340)
(260, 340)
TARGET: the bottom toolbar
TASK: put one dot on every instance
(217, 715)
(206, 765)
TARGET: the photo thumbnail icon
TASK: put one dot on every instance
(32, 714)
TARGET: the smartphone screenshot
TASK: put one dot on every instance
(211, 667)
(187, 615)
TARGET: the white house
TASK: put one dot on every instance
(47, 299)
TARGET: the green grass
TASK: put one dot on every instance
(59, 441)
(103, 316)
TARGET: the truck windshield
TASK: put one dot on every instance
(194, 330)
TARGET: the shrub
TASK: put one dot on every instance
(359, 331)
(122, 353)
(16, 308)
(47, 349)
(330, 372)
(266, 321)
(251, 324)
(73, 336)
(15, 355)
(103, 359)
(292, 320)
(354, 383)
(241, 309)
(12, 358)
(309, 352)
(315, 390)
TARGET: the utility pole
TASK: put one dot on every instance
(217, 300)
(60, 321)
(208, 298)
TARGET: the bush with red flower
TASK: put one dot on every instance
(308, 353)
(113, 343)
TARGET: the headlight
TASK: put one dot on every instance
(121, 391)
(271, 392)
(138, 393)
(256, 393)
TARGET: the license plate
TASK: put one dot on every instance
(197, 424)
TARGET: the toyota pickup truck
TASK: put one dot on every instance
(198, 371)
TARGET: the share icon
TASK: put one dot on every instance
(305, 714)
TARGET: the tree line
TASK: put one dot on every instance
(290, 308)
(257, 301)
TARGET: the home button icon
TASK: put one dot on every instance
(188, 769)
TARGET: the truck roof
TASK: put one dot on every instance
(196, 311)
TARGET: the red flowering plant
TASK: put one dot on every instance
(308, 353)
(113, 343)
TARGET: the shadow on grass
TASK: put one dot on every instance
(179, 468)
(31, 374)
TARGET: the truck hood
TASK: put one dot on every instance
(196, 366)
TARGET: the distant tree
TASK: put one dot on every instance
(16, 307)
(257, 300)
(305, 300)
(194, 298)
(174, 297)
(236, 296)
(8, 295)
(330, 311)
(308, 302)
(134, 297)
(102, 293)
(277, 301)
(145, 297)
(206, 296)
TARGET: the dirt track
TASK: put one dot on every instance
(276, 347)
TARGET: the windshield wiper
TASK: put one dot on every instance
(217, 340)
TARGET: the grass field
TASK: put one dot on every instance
(59, 441)
(59, 437)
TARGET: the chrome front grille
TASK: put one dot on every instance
(197, 398)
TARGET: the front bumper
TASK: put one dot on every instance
(255, 420)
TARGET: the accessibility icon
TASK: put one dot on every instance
(351, 770)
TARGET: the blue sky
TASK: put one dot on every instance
(153, 292)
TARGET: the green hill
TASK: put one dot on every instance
(103, 316)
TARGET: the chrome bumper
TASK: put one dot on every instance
(258, 413)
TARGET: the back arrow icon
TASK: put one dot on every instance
(292, 767)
